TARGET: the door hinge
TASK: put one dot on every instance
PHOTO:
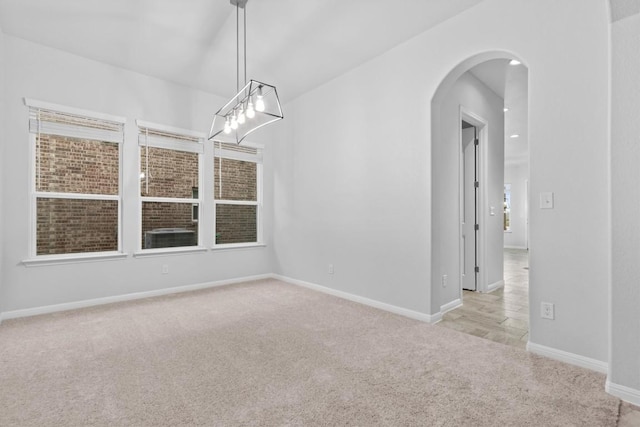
(477, 269)
(476, 184)
(476, 141)
(477, 227)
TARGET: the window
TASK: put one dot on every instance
(170, 174)
(76, 197)
(237, 193)
(507, 208)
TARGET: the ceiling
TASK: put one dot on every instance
(509, 82)
(293, 44)
(296, 45)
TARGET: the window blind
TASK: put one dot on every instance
(51, 122)
(172, 139)
(237, 152)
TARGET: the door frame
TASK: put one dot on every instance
(482, 126)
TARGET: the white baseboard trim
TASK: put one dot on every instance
(450, 306)
(496, 285)
(625, 393)
(429, 318)
(570, 358)
(516, 247)
(14, 314)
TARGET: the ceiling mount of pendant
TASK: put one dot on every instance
(239, 3)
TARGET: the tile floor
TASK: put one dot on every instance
(502, 315)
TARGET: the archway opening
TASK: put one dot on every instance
(479, 178)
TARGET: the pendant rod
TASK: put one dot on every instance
(237, 48)
(244, 28)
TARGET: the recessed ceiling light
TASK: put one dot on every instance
(514, 62)
(515, 135)
(505, 109)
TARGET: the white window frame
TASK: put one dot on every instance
(177, 145)
(37, 127)
(258, 159)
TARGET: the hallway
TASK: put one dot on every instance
(503, 315)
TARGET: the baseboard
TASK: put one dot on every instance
(494, 286)
(126, 297)
(450, 306)
(516, 247)
(362, 300)
(625, 393)
(570, 358)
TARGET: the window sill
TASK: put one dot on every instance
(169, 251)
(238, 246)
(44, 260)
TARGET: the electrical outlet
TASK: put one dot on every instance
(547, 311)
(444, 280)
(165, 269)
(330, 269)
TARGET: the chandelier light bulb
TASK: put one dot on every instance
(227, 126)
(251, 113)
(241, 117)
(234, 122)
(259, 100)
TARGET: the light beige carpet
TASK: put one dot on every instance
(268, 353)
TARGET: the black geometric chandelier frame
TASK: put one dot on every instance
(254, 106)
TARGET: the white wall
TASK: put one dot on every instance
(2, 144)
(625, 158)
(472, 95)
(352, 180)
(517, 174)
(42, 73)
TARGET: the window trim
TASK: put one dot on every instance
(189, 147)
(258, 159)
(34, 195)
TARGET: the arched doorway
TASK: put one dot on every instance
(470, 126)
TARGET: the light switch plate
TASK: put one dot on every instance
(546, 200)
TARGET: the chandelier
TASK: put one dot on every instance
(255, 105)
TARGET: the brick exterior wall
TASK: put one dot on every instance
(171, 173)
(72, 165)
(236, 224)
(67, 226)
(239, 180)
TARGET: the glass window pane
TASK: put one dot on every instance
(236, 223)
(239, 180)
(73, 165)
(507, 207)
(66, 226)
(171, 173)
(168, 225)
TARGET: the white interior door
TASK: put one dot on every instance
(468, 210)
